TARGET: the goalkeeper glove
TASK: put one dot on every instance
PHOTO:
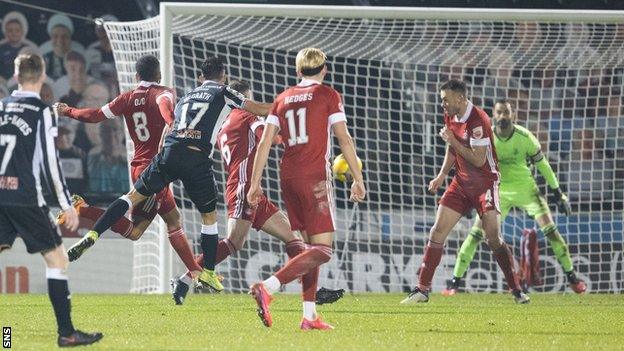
(563, 204)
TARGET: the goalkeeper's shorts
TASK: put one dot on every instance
(527, 198)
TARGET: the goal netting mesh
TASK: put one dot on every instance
(564, 78)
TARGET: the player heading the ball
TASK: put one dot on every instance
(470, 148)
(186, 156)
(303, 115)
(147, 111)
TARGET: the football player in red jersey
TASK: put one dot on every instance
(304, 115)
(148, 113)
(470, 148)
(237, 141)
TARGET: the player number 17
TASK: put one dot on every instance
(302, 137)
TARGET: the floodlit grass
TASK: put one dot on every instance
(363, 322)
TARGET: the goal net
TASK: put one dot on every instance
(563, 71)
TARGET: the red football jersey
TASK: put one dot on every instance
(144, 121)
(304, 115)
(474, 129)
(237, 141)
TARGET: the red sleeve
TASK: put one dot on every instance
(165, 106)
(273, 118)
(477, 129)
(116, 107)
(256, 125)
(336, 108)
(88, 115)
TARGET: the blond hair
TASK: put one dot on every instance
(310, 61)
(28, 68)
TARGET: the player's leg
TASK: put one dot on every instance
(308, 208)
(560, 248)
(115, 211)
(446, 219)
(177, 238)
(151, 181)
(195, 170)
(464, 257)
(56, 261)
(274, 222)
(40, 235)
(123, 226)
(502, 253)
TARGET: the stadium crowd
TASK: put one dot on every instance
(575, 108)
(80, 74)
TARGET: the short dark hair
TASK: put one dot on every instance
(504, 101)
(75, 56)
(240, 85)
(147, 67)
(213, 67)
(455, 85)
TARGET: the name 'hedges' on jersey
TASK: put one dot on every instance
(200, 114)
(27, 148)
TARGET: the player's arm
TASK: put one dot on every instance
(358, 190)
(449, 162)
(544, 168)
(476, 154)
(165, 107)
(257, 128)
(262, 155)
(93, 115)
(87, 115)
(51, 167)
(257, 108)
(238, 100)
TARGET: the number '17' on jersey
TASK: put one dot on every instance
(200, 114)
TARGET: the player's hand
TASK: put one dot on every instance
(254, 194)
(447, 135)
(71, 219)
(435, 183)
(562, 202)
(358, 191)
(60, 108)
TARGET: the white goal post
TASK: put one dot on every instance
(563, 71)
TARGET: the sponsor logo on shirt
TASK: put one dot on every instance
(477, 133)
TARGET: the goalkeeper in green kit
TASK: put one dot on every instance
(515, 145)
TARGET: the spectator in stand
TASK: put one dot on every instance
(47, 95)
(88, 134)
(100, 58)
(14, 29)
(60, 29)
(107, 164)
(71, 86)
(3, 90)
(73, 161)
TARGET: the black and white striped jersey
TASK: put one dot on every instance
(27, 150)
(200, 114)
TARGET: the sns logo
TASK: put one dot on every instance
(6, 337)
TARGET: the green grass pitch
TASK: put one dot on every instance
(362, 321)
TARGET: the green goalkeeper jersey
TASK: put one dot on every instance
(514, 154)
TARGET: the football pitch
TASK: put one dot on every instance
(362, 321)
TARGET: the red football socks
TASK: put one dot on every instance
(178, 241)
(303, 263)
(294, 248)
(506, 263)
(431, 260)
